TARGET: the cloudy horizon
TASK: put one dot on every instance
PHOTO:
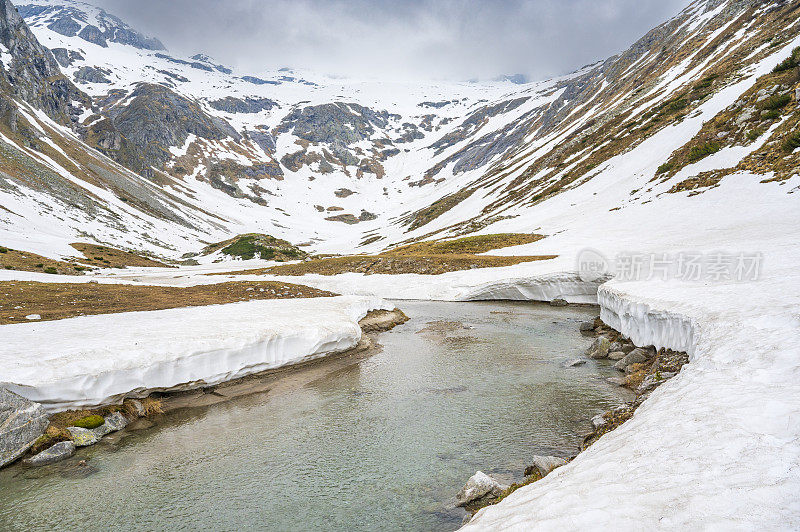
(420, 39)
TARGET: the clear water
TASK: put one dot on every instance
(381, 444)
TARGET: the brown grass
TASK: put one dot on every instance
(108, 257)
(12, 259)
(466, 245)
(53, 301)
(391, 264)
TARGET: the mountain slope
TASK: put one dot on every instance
(344, 165)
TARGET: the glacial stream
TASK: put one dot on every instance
(383, 443)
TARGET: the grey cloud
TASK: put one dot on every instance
(435, 39)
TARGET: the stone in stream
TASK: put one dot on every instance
(56, 453)
(599, 348)
(83, 437)
(112, 423)
(544, 464)
(479, 486)
(21, 423)
(616, 355)
(586, 327)
(559, 302)
(598, 421)
(637, 356)
(621, 346)
(574, 362)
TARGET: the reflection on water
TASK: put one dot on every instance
(381, 444)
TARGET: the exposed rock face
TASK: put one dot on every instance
(480, 486)
(88, 74)
(21, 423)
(559, 302)
(246, 105)
(71, 21)
(33, 74)
(56, 453)
(138, 135)
(66, 57)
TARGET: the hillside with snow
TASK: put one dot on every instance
(672, 165)
(355, 166)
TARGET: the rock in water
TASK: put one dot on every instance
(21, 423)
(83, 437)
(616, 355)
(586, 326)
(574, 362)
(559, 302)
(599, 348)
(637, 356)
(479, 486)
(545, 464)
(56, 453)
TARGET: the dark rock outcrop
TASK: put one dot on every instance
(246, 105)
(34, 75)
(139, 134)
(89, 74)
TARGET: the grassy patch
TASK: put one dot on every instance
(703, 150)
(108, 257)
(789, 63)
(664, 168)
(12, 259)
(54, 301)
(753, 134)
(437, 208)
(791, 142)
(776, 101)
(252, 245)
(391, 264)
(470, 244)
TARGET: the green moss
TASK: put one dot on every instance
(89, 422)
(51, 270)
(3, 250)
(39, 265)
(703, 150)
(772, 115)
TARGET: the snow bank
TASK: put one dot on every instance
(95, 360)
(714, 448)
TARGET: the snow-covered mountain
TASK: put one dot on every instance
(166, 153)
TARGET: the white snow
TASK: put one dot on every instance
(94, 360)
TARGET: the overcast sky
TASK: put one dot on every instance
(433, 39)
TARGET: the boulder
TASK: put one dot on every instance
(619, 381)
(637, 356)
(544, 464)
(479, 486)
(56, 453)
(21, 423)
(559, 302)
(598, 421)
(116, 421)
(586, 326)
(83, 437)
(616, 355)
(599, 348)
(574, 362)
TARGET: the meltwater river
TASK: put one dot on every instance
(381, 444)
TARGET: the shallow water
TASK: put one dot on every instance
(384, 443)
